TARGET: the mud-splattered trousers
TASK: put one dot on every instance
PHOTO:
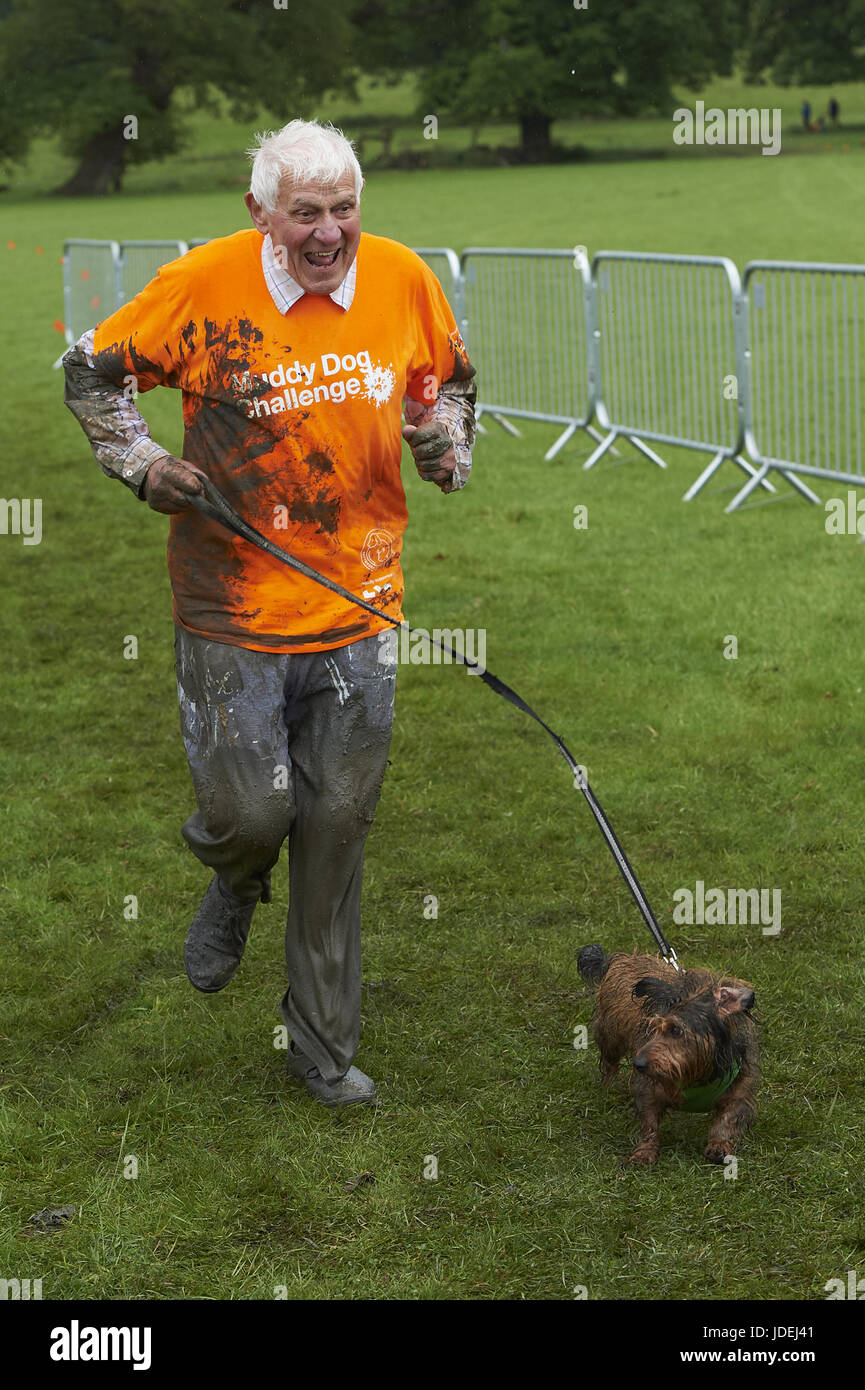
(293, 746)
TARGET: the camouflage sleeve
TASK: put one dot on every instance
(453, 407)
(119, 435)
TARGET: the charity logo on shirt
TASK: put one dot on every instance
(326, 378)
(377, 549)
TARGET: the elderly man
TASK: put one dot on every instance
(294, 344)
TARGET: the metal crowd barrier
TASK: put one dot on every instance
(669, 349)
(99, 276)
(140, 260)
(527, 322)
(670, 357)
(445, 265)
(806, 331)
(91, 284)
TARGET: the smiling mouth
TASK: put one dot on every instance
(323, 260)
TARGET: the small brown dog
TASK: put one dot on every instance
(691, 1038)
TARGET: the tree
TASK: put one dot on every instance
(539, 60)
(105, 74)
(799, 42)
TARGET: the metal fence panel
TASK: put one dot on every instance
(140, 260)
(670, 350)
(527, 332)
(806, 331)
(90, 284)
(445, 265)
(667, 348)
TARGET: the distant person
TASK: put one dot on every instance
(834, 113)
(806, 114)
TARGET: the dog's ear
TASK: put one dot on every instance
(661, 995)
(733, 999)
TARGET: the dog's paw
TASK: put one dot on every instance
(643, 1153)
(716, 1153)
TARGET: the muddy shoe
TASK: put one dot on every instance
(355, 1088)
(215, 942)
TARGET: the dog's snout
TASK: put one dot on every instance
(640, 1063)
(748, 1001)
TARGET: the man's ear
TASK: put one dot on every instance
(257, 213)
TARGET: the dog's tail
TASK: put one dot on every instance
(593, 963)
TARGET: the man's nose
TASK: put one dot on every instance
(328, 232)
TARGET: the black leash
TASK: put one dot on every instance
(212, 503)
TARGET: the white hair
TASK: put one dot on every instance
(305, 152)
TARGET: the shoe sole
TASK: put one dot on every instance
(207, 989)
(343, 1104)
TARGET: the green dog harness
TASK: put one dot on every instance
(699, 1098)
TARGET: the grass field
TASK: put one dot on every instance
(212, 155)
(738, 773)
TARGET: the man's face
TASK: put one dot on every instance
(318, 229)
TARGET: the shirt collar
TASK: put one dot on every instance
(285, 291)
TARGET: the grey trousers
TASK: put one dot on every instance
(293, 746)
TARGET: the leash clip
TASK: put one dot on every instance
(671, 959)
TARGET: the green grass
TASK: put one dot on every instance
(212, 156)
(740, 773)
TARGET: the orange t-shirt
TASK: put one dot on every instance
(296, 418)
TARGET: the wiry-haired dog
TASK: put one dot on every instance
(690, 1036)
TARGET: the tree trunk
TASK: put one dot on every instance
(536, 145)
(101, 166)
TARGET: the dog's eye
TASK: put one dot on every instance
(676, 1031)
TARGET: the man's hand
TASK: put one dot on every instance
(171, 483)
(432, 451)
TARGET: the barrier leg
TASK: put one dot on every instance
(570, 432)
(796, 482)
(590, 430)
(749, 468)
(704, 476)
(644, 449)
(561, 442)
(506, 424)
(713, 467)
(747, 489)
(602, 448)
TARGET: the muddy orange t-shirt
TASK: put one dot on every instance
(296, 418)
